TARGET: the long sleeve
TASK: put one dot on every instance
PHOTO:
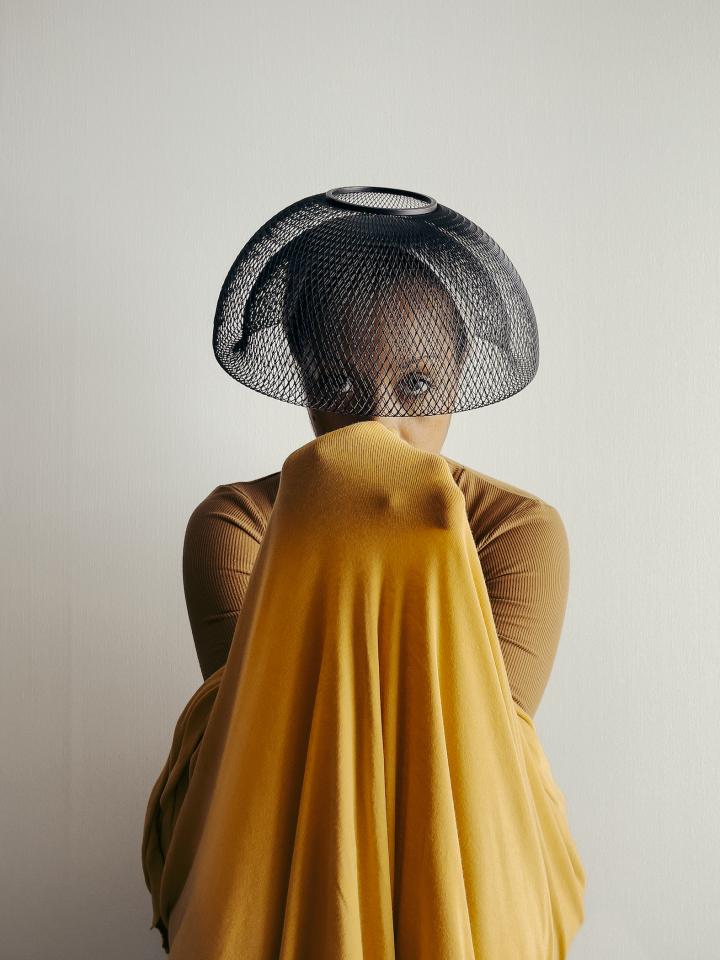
(525, 560)
(222, 539)
(522, 546)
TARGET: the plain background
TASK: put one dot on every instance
(142, 144)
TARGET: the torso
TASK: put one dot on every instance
(520, 539)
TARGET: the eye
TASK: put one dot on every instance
(336, 382)
(339, 383)
(415, 384)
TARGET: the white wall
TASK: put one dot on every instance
(142, 144)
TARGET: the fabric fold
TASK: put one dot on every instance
(357, 781)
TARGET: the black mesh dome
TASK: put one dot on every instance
(373, 300)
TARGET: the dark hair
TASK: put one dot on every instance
(319, 302)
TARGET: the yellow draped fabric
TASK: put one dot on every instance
(357, 781)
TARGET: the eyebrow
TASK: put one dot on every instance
(409, 361)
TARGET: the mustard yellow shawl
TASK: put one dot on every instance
(357, 781)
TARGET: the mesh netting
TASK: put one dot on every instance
(376, 301)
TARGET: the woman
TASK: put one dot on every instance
(375, 624)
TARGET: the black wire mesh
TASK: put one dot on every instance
(376, 301)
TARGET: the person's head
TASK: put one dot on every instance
(377, 344)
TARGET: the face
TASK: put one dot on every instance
(411, 379)
(425, 433)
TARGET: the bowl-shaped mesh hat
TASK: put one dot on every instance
(375, 300)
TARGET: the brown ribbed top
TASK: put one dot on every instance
(521, 542)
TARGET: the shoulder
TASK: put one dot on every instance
(240, 508)
(500, 511)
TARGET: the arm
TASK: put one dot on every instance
(526, 565)
(221, 543)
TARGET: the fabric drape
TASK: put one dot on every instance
(356, 781)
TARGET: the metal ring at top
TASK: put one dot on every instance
(423, 204)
